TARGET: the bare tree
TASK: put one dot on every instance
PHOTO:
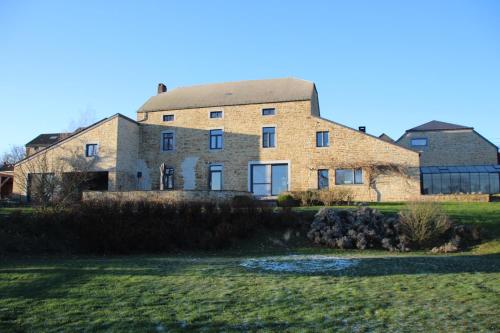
(85, 118)
(54, 182)
(13, 155)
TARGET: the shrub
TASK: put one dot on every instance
(287, 200)
(337, 196)
(108, 227)
(306, 198)
(424, 223)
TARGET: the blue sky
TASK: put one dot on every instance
(388, 65)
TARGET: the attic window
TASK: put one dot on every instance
(268, 112)
(168, 117)
(53, 137)
(420, 142)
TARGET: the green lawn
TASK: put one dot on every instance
(459, 293)
(211, 292)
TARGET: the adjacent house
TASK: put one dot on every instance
(454, 158)
(263, 137)
(6, 180)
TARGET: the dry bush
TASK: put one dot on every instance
(424, 222)
(337, 196)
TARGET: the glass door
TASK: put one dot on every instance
(269, 179)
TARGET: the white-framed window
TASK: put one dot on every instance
(215, 177)
(91, 149)
(216, 114)
(419, 142)
(268, 137)
(167, 141)
(168, 117)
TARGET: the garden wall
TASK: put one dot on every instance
(165, 196)
(456, 197)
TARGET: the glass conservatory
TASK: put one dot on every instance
(461, 179)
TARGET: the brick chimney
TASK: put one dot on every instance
(161, 88)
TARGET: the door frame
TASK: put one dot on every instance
(282, 162)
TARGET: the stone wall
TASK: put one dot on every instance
(296, 125)
(165, 196)
(458, 147)
(69, 155)
(457, 198)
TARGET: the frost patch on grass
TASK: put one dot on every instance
(299, 263)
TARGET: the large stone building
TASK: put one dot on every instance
(454, 158)
(264, 137)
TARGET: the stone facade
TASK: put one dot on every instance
(117, 139)
(452, 147)
(131, 152)
(296, 125)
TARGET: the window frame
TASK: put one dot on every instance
(96, 149)
(263, 112)
(322, 135)
(210, 176)
(221, 135)
(354, 178)
(417, 146)
(168, 115)
(162, 143)
(327, 179)
(216, 112)
(170, 173)
(266, 143)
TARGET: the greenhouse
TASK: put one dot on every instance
(461, 179)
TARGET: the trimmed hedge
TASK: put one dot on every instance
(108, 227)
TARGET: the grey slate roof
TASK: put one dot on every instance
(232, 93)
(435, 125)
(47, 139)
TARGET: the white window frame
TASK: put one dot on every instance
(275, 136)
(249, 171)
(221, 176)
(216, 110)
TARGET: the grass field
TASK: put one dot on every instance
(212, 292)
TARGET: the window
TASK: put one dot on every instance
(322, 139)
(168, 179)
(216, 139)
(322, 179)
(268, 137)
(215, 177)
(268, 179)
(168, 117)
(269, 112)
(348, 176)
(215, 114)
(91, 150)
(421, 142)
(168, 141)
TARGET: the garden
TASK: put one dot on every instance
(243, 267)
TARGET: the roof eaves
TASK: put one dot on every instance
(96, 124)
(370, 135)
